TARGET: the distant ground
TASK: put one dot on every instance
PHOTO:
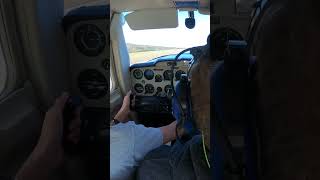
(143, 53)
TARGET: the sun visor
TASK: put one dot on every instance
(153, 19)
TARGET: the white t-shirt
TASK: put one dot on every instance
(129, 143)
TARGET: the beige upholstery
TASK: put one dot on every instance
(200, 94)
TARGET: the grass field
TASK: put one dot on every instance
(139, 57)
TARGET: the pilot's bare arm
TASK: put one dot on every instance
(169, 132)
(123, 113)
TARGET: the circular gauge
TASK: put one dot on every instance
(148, 74)
(167, 89)
(92, 84)
(89, 39)
(137, 73)
(149, 89)
(158, 78)
(138, 88)
(178, 74)
(167, 75)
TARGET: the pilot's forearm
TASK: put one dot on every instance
(122, 115)
(169, 132)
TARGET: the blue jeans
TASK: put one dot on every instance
(180, 161)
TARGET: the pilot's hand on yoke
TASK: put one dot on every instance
(49, 154)
(52, 129)
(123, 113)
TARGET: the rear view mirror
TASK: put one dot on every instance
(153, 19)
(190, 22)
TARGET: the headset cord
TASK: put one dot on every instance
(174, 92)
(204, 150)
(180, 105)
(172, 85)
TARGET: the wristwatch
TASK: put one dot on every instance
(114, 122)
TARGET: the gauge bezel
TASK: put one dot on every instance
(134, 73)
(80, 42)
(167, 77)
(135, 87)
(157, 79)
(146, 91)
(147, 76)
(89, 75)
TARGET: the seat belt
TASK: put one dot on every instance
(225, 161)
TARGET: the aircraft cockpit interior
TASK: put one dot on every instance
(149, 52)
(194, 89)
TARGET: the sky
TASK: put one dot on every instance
(180, 37)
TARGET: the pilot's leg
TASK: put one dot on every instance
(180, 161)
(155, 165)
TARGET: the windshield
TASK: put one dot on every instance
(145, 45)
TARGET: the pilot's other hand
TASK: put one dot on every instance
(126, 103)
(52, 130)
(122, 115)
(48, 154)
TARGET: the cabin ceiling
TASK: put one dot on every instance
(69, 4)
(132, 5)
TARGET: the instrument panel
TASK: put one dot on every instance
(155, 80)
(88, 46)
